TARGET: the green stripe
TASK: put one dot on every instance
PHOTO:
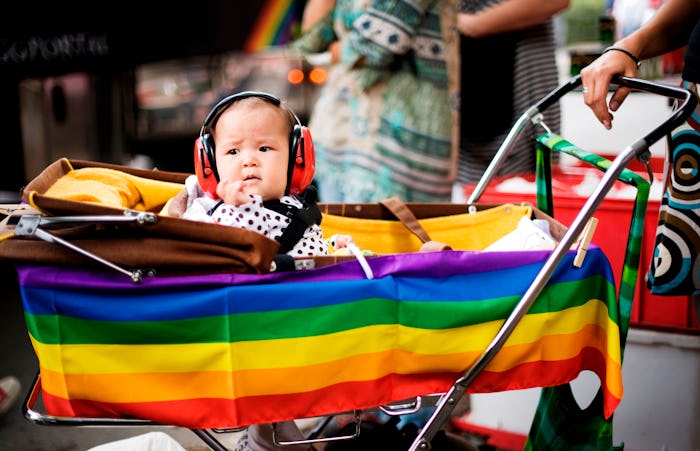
(54, 329)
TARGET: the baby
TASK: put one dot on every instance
(254, 163)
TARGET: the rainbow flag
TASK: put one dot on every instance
(229, 350)
(273, 26)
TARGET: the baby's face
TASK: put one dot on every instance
(252, 146)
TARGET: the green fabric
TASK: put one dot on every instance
(559, 422)
(563, 425)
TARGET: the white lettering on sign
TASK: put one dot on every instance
(67, 46)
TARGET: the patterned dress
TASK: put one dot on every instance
(675, 267)
(383, 125)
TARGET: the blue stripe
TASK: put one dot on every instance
(139, 304)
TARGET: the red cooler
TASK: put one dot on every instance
(571, 187)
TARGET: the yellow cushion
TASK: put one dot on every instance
(468, 231)
(113, 188)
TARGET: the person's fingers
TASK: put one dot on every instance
(229, 190)
(595, 90)
(618, 97)
(596, 79)
(222, 188)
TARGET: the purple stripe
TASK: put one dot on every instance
(439, 264)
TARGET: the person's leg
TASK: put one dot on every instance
(9, 392)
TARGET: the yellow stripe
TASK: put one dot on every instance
(223, 384)
(569, 321)
(281, 353)
(300, 352)
(180, 377)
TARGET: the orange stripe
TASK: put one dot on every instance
(213, 413)
(223, 384)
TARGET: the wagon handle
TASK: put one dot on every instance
(449, 400)
(534, 115)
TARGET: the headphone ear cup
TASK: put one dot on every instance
(304, 160)
(205, 165)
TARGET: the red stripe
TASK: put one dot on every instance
(204, 413)
(547, 374)
(221, 413)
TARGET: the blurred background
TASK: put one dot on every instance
(130, 82)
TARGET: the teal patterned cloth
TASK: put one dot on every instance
(383, 124)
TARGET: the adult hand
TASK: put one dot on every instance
(596, 78)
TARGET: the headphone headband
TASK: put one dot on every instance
(224, 103)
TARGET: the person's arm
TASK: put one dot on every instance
(509, 15)
(667, 30)
(367, 45)
(317, 28)
(314, 11)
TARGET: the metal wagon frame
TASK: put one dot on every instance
(445, 402)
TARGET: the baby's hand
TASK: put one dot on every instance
(232, 193)
(340, 241)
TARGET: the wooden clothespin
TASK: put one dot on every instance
(584, 241)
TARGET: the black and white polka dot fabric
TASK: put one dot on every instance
(252, 216)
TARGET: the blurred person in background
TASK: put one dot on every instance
(384, 124)
(9, 392)
(508, 63)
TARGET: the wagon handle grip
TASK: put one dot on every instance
(689, 101)
(534, 115)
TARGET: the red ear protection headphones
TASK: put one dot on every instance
(302, 163)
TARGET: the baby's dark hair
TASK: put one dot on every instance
(250, 97)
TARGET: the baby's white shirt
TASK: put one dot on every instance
(251, 216)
